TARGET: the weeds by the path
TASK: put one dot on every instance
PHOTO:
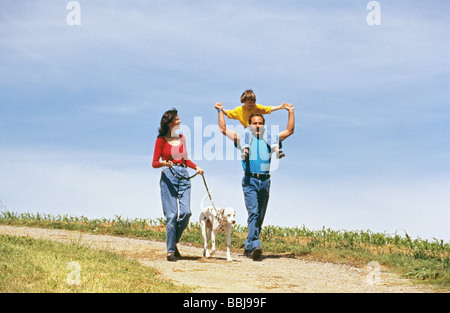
(42, 266)
(424, 260)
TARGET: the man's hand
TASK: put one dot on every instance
(219, 106)
(287, 106)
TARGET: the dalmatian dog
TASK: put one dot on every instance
(212, 221)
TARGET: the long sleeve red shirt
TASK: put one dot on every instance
(167, 152)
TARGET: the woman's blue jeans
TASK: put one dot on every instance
(175, 198)
(256, 196)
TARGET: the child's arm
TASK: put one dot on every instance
(278, 107)
(267, 109)
(284, 105)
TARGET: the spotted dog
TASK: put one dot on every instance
(212, 221)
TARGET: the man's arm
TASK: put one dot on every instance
(223, 127)
(290, 124)
(219, 106)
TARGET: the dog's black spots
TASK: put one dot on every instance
(204, 218)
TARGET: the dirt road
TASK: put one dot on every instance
(275, 273)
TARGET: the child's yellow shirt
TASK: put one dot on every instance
(243, 115)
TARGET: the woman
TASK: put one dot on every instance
(175, 190)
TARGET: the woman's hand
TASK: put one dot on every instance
(199, 170)
(167, 163)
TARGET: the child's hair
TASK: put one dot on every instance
(248, 95)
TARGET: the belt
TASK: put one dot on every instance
(258, 175)
(178, 164)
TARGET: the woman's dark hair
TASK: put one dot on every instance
(166, 119)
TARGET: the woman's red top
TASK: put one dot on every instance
(168, 152)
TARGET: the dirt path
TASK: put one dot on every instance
(275, 273)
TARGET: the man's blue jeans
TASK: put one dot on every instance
(175, 198)
(256, 196)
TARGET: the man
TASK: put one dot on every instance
(256, 181)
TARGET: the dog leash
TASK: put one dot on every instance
(209, 194)
(179, 176)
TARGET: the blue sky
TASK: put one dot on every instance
(80, 106)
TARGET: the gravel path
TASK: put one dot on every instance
(275, 273)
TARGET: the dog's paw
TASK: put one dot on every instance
(212, 252)
(207, 254)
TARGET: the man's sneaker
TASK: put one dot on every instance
(171, 257)
(256, 254)
(280, 154)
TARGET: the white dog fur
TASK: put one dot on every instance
(212, 221)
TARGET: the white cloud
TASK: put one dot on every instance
(322, 48)
(349, 81)
(103, 185)
(419, 207)
(94, 185)
(118, 109)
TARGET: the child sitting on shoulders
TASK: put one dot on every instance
(243, 113)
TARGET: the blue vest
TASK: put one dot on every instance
(259, 160)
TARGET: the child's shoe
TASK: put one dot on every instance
(244, 155)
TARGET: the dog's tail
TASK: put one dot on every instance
(202, 203)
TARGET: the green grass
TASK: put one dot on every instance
(41, 266)
(421, 260)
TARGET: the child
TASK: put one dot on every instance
(243, 113)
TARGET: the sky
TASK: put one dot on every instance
(83, 89)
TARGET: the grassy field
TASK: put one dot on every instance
(424, 261)
(43, 266)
